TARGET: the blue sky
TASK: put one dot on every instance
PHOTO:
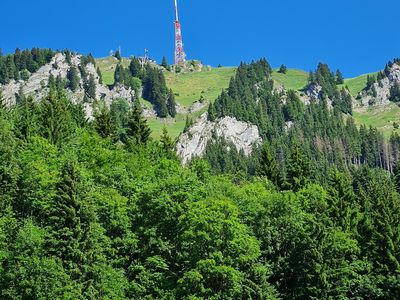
(357, 36)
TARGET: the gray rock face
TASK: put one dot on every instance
(314, 91)
(379, 93)
(37, 84)
(194, 142)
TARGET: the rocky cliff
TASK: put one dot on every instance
(37, 83)
(379, 93)
(194, 142)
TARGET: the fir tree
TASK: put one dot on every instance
(3, 104)
(56, 118)
(339, 77)
(268, 166)
(167, 143)
(90, 87)
(212, 114)
(171, 104)
(164, 63)
(104, 125)
(282, 69)
(67, 56)
(298, 169)
(138, 132)
(117, 55)
(188, 124)
(27, 124)
(100, 75)
(73, 79)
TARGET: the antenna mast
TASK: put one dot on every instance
(180, 55)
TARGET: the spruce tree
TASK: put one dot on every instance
(104, 125)
(56, 118)
(3, 104)
(164, 62)
(339, 77)
(212, 114)
(171, 104)
(188, 124)
(268, 166)
(138, 132)
(100, 75)
(73, 79)
(135, 68)
(298, 169)
(282, 69)
(117, 55)
(90, 87)
(28, 122)
(167, 143)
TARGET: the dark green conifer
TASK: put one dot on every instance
(171, 104)
(138, 132)
(104, 125)
(268, 166)
(298, 169)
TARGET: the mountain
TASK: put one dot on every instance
(272, 191)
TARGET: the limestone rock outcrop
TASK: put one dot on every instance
(379, 93)
(193, 143)
(37, 83)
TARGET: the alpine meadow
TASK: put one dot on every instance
(133, 176)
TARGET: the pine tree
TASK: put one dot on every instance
(28, 122)
(52, 82)
(339, 77)
(212, 114)
(3, 104)
(135, 68)
(90, 87)
(171, 104)
(117, 55)
(282, 69)
(188, 124)
(104, 125)
(56, 118)
(164, 63)
(100, 75)
(268, 166)
(73, 79)
(343, 207)
(298, 169)
(138, 132)
(167, 143)
(68, 56)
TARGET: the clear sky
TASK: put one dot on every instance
(357, 36)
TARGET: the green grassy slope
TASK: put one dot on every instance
(107, 67)
(356, 84)
(188, 87)
(293, 79)
(380, 117)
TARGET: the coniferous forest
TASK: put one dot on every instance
(101, 210)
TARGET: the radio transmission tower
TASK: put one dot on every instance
(180, 56)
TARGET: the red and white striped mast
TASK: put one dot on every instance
(180, 55)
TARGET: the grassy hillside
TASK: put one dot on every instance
(380, 117)
(188, 87)
(293, 79)
(356, 84)
(107, 67)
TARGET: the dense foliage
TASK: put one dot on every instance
(326, 136)
(22, 63)
(151, 80)
(86, 214)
